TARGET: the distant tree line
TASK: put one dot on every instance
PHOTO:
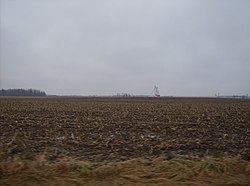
(21, 92)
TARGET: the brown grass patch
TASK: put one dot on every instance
(178, 171)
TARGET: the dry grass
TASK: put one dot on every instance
(180, 170)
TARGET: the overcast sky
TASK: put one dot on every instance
(101, 47)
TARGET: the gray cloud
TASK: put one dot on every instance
(187, 48)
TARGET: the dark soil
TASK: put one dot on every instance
(101, 129)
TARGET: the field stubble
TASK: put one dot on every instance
(114, 130)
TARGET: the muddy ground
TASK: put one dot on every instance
(99, 129)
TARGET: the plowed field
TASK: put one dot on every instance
(99, 129)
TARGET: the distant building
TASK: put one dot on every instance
(235, 96)
(155, 92)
